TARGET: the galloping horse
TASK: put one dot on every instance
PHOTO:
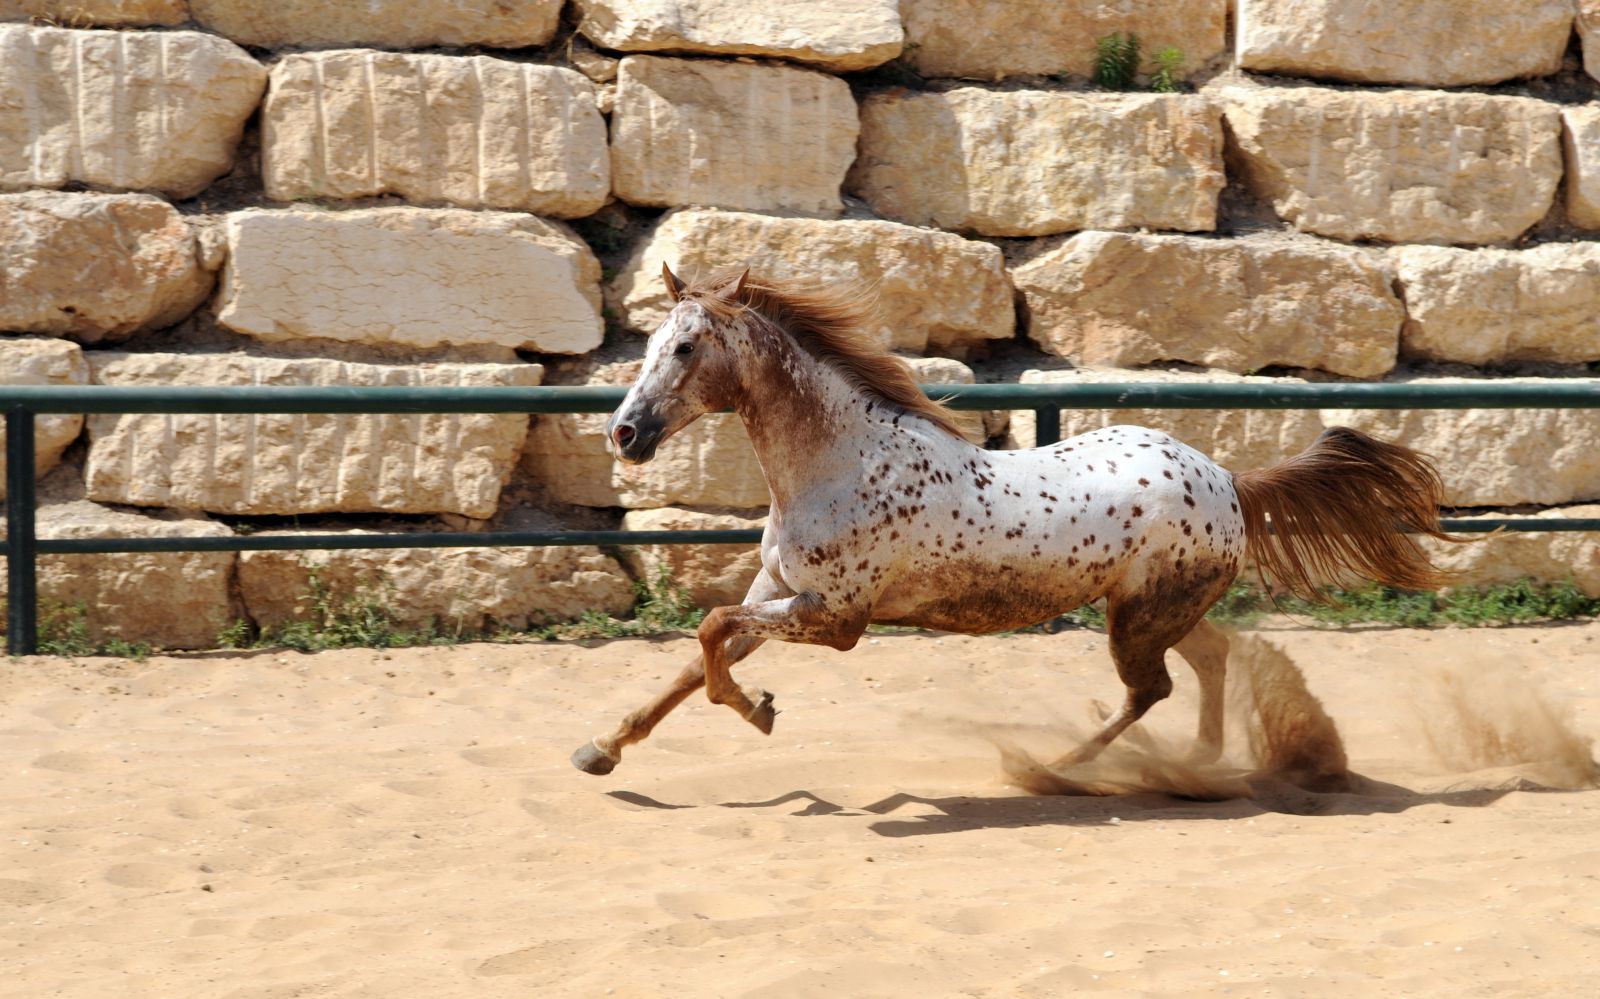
(882, 512)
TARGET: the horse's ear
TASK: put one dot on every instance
(729, 291)
(674, 285)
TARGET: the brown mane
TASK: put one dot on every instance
(831, 325)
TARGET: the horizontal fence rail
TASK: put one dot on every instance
(1582, 393)
(21, 403)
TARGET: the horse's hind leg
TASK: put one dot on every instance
(1142, 625)
(1205, 648)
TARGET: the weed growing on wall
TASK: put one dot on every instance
(1116, 61)
(1518, 602)
(361, 618)
(1522, 602)
(1169, 68)
(660, 606)
(64, 631)
(1116, 65)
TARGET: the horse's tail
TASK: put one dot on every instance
(1341, 506)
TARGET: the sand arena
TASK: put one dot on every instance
(405, 822)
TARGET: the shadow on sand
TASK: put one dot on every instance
(1267, 794)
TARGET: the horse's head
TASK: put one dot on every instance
(688, 371)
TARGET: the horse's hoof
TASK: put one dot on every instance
(591, 760)
(762, 714)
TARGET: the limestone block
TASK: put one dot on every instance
(1236, 439)
(1029, 163)
(1580, 139)
(470, 131)
(454, 589)
(98, 13)
(43, 362)
(709, 463)
(992, 39)
(395, 24)
(1437, 43)
(1506, 558)
(1402, 166)
(96, 267)
(171, 600)
(1497, 457)
(731, 135)
(713, 575)
(303, 463)
(415, 277)
(146, 111)
(1126, 299)
(1589, 34)
(836, 35)
(934, 290)
(1498, 306)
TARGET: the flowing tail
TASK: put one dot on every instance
(1339, 507)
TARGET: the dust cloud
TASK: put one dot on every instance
(1495, 724)
(1492, 730)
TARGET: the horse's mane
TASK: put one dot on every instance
(830, 324)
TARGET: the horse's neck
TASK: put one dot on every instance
(807, 423)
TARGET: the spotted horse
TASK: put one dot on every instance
(883, 513)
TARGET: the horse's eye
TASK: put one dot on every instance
(684, 348)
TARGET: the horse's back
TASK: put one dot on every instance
(1171, 508)
(1021, 536)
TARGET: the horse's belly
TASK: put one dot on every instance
(979, 598)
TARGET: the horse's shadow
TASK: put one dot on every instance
(1270, 795)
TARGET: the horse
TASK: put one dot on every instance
(882, 512)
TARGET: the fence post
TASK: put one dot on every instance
(1048, 421)
(22, 610)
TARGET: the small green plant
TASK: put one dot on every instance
(238, 635)
(64, 631)
(1478, 606)
(1169, 69)
(660, 606)
(1092, 616)
(1116, 64)
(124, 649)
(1116, 61)
(664, 605)
(360, 618)
(1523, 600)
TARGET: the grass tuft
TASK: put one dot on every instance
(1519, 602)
(660, 607)
(1169, 69)
(1116, 61)
(64, 631)
(361, 618)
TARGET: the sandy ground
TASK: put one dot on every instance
(406, 823)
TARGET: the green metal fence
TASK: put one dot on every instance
(22, 546)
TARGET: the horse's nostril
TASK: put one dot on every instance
(623, 434)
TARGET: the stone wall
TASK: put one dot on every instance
(474, 193)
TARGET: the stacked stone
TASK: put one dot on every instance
(232, 192)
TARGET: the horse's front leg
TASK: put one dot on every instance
(601, 755)
(806, 618)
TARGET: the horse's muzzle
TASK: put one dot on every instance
(633, 440)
